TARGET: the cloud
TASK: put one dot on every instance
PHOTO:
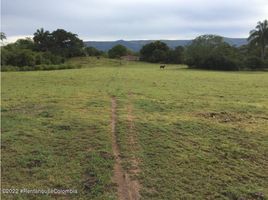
(129, 19)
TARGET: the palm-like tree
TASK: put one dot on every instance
(259, 37)
(41, 38)
(3, 36)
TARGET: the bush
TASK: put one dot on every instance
(49, 58)
(176, 56)
(45, 48)
(158, 56)
(11, 55)
(265, 64)
(57, 67)
(254, 63)
(9, 68)
(91, 51)
(220, 62)
(6, 68)
(21, 58)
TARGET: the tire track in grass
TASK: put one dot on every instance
(133, 147)
(127, 189)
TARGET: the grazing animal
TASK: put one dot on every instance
(162, 66)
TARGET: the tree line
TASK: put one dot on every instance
(208, 52)
(46, 48)
(212, 52)
(204, 52)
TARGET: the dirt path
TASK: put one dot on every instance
(127, 189)
(133, 147)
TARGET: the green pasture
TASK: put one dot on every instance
(200, 134)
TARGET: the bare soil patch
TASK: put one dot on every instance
(126, 188)
(134, 146)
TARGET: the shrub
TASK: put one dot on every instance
(39, 67)
(11, 55)
(56, 67)
(9, 68)
(220, 62)
(158, 56)
(254, 62)
(22, 57)
(49, 58)
(176, 56)
(265, 64)
(91, 51)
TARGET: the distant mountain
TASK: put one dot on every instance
(136, 45)
(236, 41)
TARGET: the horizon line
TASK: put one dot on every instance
(116, 40)
(12, 39)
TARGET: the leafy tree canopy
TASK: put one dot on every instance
(259, 37)
(211, 52)
(154, 52)
(117, 51)
(59, 42)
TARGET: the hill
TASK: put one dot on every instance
(136, 45)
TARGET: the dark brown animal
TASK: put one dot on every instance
(162, 66)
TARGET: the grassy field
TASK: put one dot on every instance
(192, 134)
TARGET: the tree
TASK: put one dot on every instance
(259, 37)
(66, 43)
(211, 52)
(176, 56)
(154, 52)
(3, 36)
(254, 62)
(26, 43)
(117, 51)
(21, 53)
(91, 51)
(59, 42)
(42, 40)
(200, 47)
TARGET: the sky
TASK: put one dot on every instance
(105, 20)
